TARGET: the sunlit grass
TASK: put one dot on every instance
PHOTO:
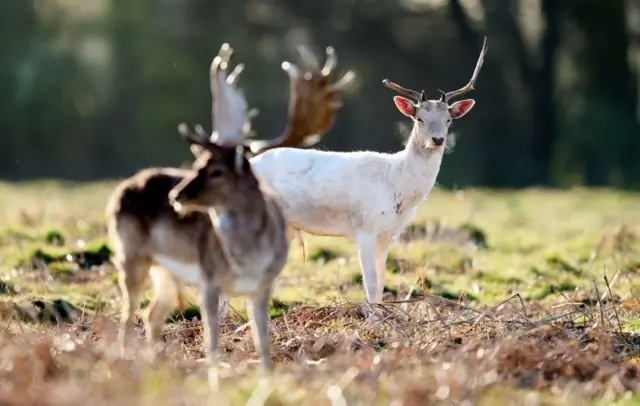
(550, 247)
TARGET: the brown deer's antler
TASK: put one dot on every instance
(313, 102)
(230, 116)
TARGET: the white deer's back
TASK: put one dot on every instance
(329, 193)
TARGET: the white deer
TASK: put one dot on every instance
(366, 196)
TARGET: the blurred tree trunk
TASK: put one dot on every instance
(535, 108)
(18, 21)
(114, 147)
(501, 124)
(543, 89)
(609, 118)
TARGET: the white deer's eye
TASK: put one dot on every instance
(418, 119)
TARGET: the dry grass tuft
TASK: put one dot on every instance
(432, 351)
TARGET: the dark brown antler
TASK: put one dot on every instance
(446, 97)
(313, 102)
(412, 94)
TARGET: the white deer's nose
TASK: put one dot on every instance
(437, 140)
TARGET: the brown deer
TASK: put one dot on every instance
(212, 225)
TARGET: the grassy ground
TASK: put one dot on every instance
(501, 298)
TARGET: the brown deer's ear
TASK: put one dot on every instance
(460, 108)
(405, 106)
(196, 149)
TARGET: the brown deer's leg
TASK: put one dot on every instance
(210, 298)
(258, 310)
(132, 275)
(166, 292)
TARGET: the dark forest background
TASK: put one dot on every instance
(94, 89)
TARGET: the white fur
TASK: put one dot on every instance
(189, 273)
(244, 285)
(185, 273)
(365, 196)
(221, 221)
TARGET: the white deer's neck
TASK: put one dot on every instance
(416, 170)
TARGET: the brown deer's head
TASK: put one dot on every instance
(221, 174)
(220, 177)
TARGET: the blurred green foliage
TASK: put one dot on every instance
(96, 88)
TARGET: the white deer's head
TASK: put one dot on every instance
(432, 118)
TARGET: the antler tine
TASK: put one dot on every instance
(200, 132)
(291, 69)
(220, 62)
(407, 92)
(343, 82)
(233, 76)
(196, 137)
(308, 57)
(469, 86)
(331, 61)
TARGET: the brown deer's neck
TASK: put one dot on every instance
(243, 233)
(243, 221)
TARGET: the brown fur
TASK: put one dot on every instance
(144, 225)
(142, 222)
(313, 106)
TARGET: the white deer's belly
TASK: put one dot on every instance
(318, 219)
(189, 273)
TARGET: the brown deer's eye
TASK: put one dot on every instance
(215, 173)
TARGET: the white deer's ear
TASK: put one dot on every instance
(405, 106)
(460, 108)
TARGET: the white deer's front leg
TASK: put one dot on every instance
(367, 251)
(382, 251)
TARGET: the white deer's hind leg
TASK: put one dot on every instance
(296, 234)
(382, 251)
(366, 243)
